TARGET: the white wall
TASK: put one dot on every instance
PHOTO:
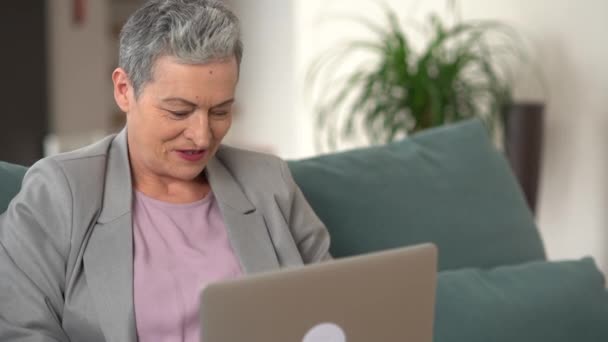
(79, 72)
(265, 110)
(567, 39)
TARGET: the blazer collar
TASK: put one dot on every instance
(118, 188)
(225, 187)
(245, 226)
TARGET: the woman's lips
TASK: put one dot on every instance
(192, 155)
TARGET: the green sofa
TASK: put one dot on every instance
(449, 186)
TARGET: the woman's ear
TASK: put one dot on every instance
(123, 91)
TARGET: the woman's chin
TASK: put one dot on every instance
(189, 174)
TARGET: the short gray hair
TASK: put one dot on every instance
(193, 31)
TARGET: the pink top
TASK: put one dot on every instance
(178, 250)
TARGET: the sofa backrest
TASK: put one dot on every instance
(447, 185)
(10, 182)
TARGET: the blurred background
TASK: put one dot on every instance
(58, 55)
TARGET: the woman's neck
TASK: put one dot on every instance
(172, 190)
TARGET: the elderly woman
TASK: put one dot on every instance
(115, 241)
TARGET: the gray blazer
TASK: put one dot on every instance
(66, 242)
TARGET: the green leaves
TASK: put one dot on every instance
(461, 72)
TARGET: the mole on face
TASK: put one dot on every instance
(210, 72)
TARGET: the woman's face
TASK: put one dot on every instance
(176, 124)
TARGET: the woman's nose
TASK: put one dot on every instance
(198, 130)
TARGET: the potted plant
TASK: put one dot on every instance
(463, 70)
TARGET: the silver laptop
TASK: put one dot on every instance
(385, 296)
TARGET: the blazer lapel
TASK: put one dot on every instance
(108, 258)
(247, 230)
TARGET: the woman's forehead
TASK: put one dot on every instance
(192, 82)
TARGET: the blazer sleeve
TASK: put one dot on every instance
(34, 245)
(309, 233)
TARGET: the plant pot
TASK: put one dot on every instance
(523, 128)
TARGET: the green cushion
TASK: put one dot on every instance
(10, 182)
(446, 185)
(541, 301)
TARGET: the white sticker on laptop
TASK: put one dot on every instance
(325, 332)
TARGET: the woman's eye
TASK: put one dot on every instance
(219, 113)
(178, 113)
